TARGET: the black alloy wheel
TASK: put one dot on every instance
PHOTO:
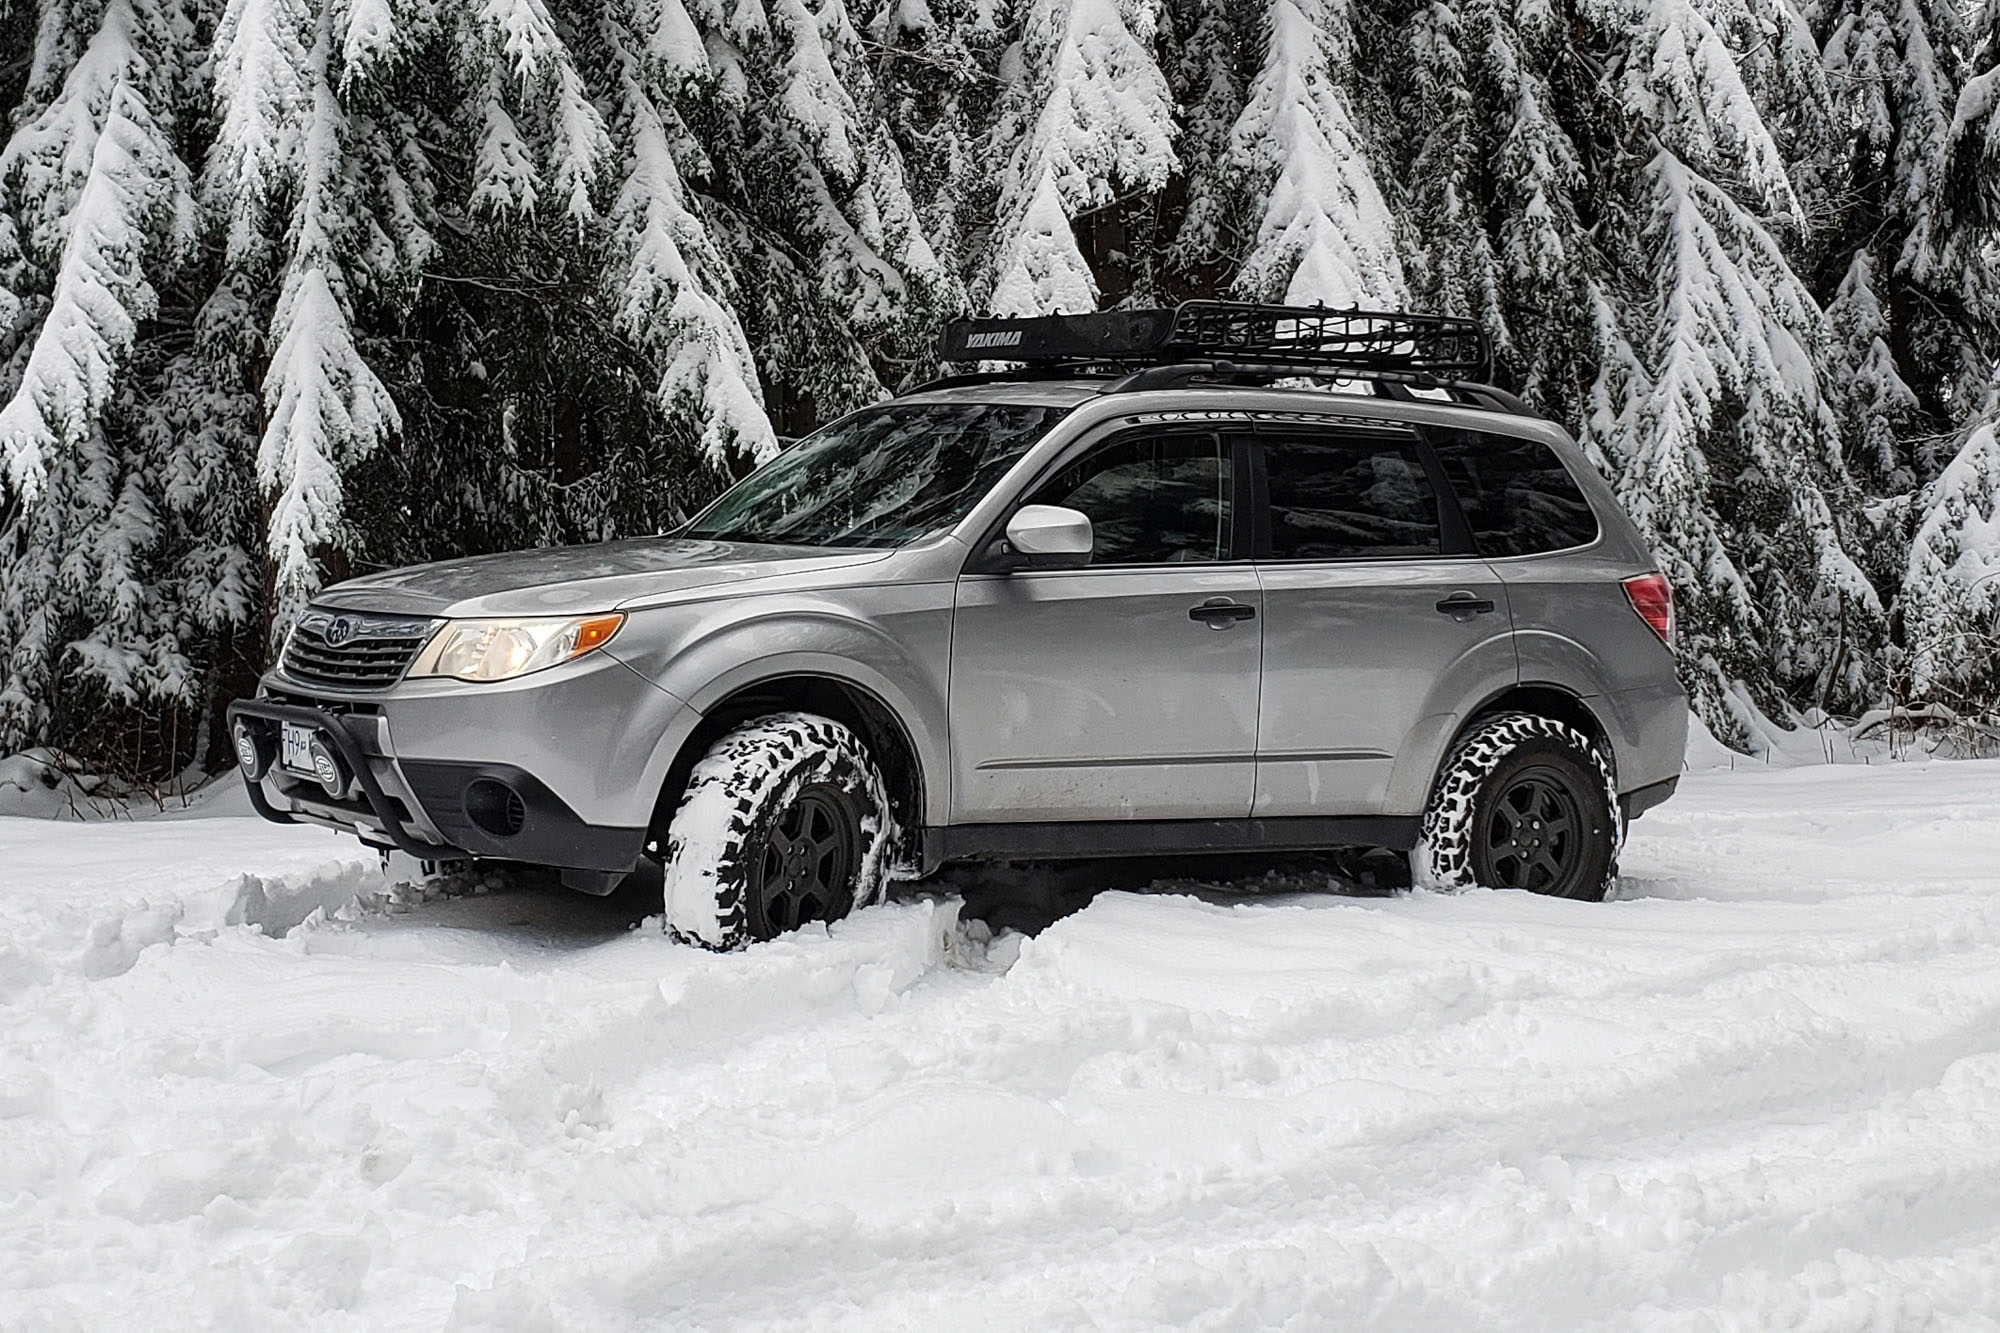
(1532, 838)
(1522, 801)
(806, 872)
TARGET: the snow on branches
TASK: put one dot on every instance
(97, 192)
(95, 202)
(1089, 117)
(289, 286)
(1324, 233)
(664, 286)
(327, 407)
(1951, 611)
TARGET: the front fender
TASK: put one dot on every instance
(892, 641)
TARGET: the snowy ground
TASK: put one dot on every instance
(241, 1086)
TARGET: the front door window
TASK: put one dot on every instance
(1152, 499)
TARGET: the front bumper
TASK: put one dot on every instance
(434, 809)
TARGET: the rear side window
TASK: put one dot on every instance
(1517, 496)
(1349, 495)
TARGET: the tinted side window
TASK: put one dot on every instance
(1517, 496)
(1152, 499)
(1349, 494)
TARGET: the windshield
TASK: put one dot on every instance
(882, 477)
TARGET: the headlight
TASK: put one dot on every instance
(481, 650)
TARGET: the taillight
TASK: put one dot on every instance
(1653, 599)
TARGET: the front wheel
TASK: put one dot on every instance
(785, 821)
(1522, 802)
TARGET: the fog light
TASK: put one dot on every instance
(327, 767)
(495, 807)
(251, 753)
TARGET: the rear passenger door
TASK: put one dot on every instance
(1379, 617)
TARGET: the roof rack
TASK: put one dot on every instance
(1290, 339)
(1402, 386)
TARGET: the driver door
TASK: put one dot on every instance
(1127, 689)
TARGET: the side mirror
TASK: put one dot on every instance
(1049, 537)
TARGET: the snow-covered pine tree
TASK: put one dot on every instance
(1323, 232)
(1724, 448)
(1217, 49)
(808, 202)
(97, 191)
(1900, 337)
(1951, 592)
(186, 419)
(531, 83)
(1459, 112)
(326, 195)
(1963, 252)
(95, 202)
(1086, 121)
(668, 284)
(1950, 602)
(936, 70)
(876, 263)
(1498, 208)
(573, 366)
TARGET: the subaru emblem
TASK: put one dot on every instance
(339, 631)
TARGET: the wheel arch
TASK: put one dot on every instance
(1544, 700)
(1426, 750)
(853, 705)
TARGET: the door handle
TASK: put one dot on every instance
(1221, 613)
(1465, 604)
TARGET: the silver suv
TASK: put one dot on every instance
(1160, 588)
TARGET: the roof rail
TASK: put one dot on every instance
(1385, 383)
(1299, 338)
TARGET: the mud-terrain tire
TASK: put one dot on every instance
(1522, 802)
(784, 821)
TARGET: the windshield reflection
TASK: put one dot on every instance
(882, 477)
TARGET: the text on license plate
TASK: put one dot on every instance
(296, 747)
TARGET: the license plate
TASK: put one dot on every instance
(295, 747)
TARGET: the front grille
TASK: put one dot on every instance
(349, 650)
(337, 707)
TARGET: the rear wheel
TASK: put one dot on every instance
(1522, 802)
(785, 821)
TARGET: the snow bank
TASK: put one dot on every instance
(45, 784)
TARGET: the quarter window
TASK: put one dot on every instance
(1152, 499)
(1517, 496)
(1349, 495)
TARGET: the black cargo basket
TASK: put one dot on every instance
(1311, 339)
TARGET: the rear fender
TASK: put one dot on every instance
(1487, 672)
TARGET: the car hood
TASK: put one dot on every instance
(573, 580)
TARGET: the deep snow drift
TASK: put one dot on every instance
(246, 1083)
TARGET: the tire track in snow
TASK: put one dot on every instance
(1764, 1095)
(1724, 1090)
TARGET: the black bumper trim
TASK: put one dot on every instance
(1641, 799)
(334, 729)
(552, 834)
